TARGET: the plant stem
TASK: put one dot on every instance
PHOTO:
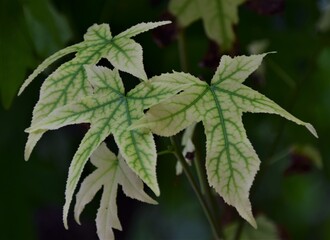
(206, 191)
(200, 173)
(239, 229)
(177, 152)
(282, 74)
(182, 51)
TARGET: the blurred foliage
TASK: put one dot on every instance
(30, 30)
(293, 197)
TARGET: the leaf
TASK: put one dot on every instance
(48, 28)
(16, 54)
(69, 82)
(108, 111)
(218, 17)
(20, 40)
(186, 11)
(266, 230)
(323, 23)
(111, 171)
(231, 161)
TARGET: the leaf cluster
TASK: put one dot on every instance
(79, 91)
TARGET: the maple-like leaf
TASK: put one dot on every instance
(69, 82)
(218, 17)
(111, 171)
(110, 110)
(231, 161)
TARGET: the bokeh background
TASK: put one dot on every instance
(292, 190)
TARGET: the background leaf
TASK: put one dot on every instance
(218, 17)
(29, 30)
(266, 230)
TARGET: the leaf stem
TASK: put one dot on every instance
(239, 229)
(165, 152)
(282, 74)
(177, 152)
(200, 174)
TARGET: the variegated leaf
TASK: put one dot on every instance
(231, 161)
(110, 110)
(111, 171)
(69, 82)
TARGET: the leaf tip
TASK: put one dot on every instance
(65, 222)
(65, 215)
(154, 202)
(253, 223)
(165, 22)
(271, 52)
(31, 129)
(27, 154)
(311, 129)
(77, 218)
(156, 191)
(20, 91)
(153, 185)
(246, 213)
(24, 85)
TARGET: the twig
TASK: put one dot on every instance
(177, 152)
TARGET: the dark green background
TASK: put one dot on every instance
(291, 191)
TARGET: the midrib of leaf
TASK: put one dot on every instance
(100, 36)
(222, 22)
(146, 97)
(119, 50)
(200, 96)
(113, 185)
(238, 69)
(107, 170)
(129, 121)
(104, 173)
(88, 59)
(92, 109)
(230, 93)
(87, 149)
(183, 7)
(71, 77)
(227, 143)
(115, 90)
